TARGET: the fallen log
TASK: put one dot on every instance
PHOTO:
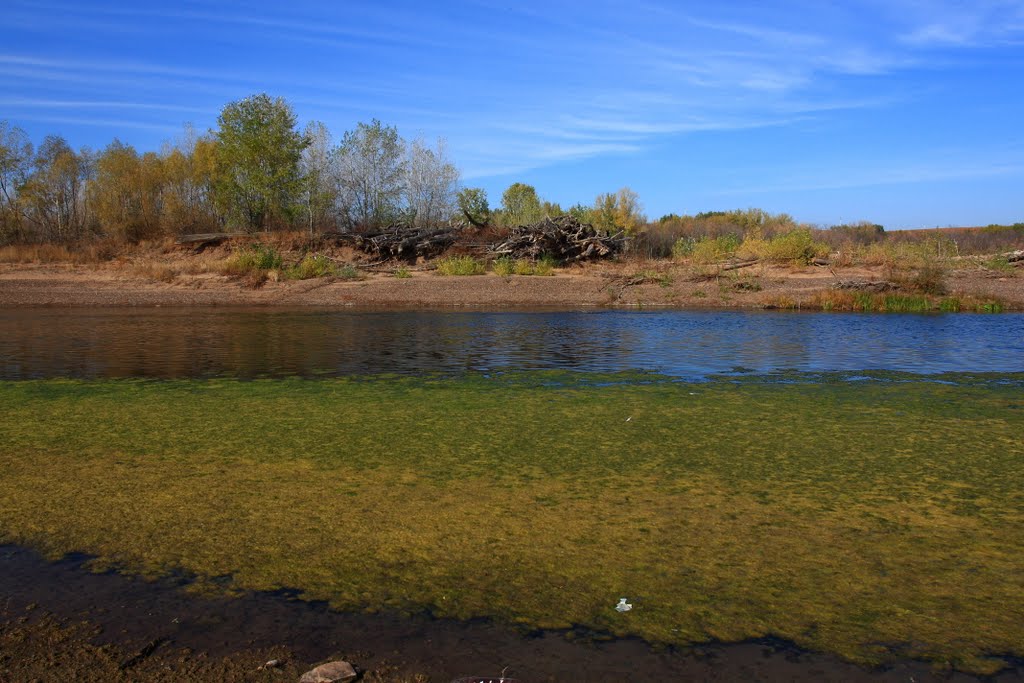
(737, 265)
(207, 239)
(865, 285)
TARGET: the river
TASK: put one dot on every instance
(254, 342)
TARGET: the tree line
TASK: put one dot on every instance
(256, 171)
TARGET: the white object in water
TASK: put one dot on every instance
(623, 606)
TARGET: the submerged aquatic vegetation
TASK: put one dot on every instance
(872, 519)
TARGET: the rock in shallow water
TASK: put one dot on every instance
(332, 672)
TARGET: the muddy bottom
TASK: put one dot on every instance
(60, 622)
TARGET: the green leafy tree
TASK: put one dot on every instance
(551, 208)
(520, 205)
(584, 214)
(618, 211)
(259, 150)
(473, 205)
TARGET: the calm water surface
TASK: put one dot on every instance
(246, 342)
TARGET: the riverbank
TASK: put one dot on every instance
(629, 285)
(59, 621)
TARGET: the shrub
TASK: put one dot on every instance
(348, 272)
(253, 258)
(797, 246)
(460, 265)
(522, 267)
(504, 266)
(683, 248)
(402, 273)
(545, 266)
(714, 249)
(930, 278)
(312, 266)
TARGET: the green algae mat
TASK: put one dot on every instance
(875, 519)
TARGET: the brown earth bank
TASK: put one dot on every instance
(631, 285)
(61, 622)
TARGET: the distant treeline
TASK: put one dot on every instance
(673, 232)
(257, 171)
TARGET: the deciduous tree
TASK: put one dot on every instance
(430, 184)
(473, 205)
(53, 192)
(258, 155)
(319, 187)
(520, 205)
(371, 171)
(15, 166)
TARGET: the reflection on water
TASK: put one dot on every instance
(205, 342)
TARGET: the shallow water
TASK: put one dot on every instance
(248, 342)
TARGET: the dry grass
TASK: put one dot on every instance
(155, 270)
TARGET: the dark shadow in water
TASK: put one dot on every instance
(246, 342)
(132, 611)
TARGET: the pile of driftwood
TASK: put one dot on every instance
(563, 238)
(865, 285)
(402, 242)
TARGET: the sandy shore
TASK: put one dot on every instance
(597, 286)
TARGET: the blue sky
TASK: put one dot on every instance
(903, 112)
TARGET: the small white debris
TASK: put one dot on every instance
(629, 418)
(272, 664)
(623, 606)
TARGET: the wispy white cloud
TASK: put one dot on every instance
(764, 34)
(28, 103)
(980, 23)
(904, 175)
(105, 122)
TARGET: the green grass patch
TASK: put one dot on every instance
(255, 258)
(999, 263)
(870, 519)
(989, 307)
(460, 265)
(902, 303)
(950, 304)
(312, 266)
(506, 266)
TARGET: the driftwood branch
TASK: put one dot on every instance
(563, 238)
(865, 285)
(209, 239)
(402, 242)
